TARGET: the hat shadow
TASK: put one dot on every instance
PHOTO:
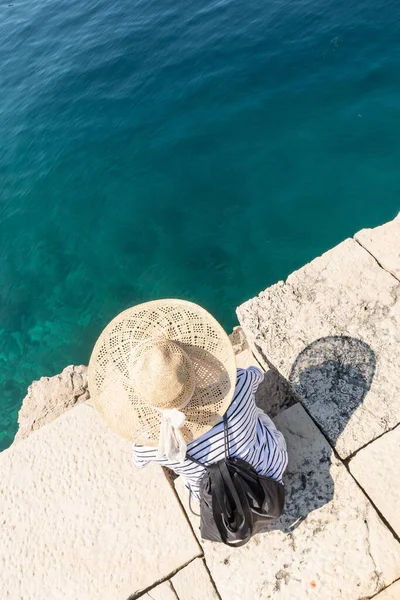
(337, 372)
(333, 373)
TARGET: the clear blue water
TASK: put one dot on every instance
(176, 148)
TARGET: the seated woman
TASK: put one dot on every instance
(163, 374)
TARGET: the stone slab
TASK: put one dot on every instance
(377, 469)
(330, 543)
(164, 591)
(78, 521)
(384, 244)
(333, 330)
(391, 593)
(193, 582)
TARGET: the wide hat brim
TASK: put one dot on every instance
(113, 391)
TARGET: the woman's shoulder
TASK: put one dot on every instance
(252, 375)
(247, 383)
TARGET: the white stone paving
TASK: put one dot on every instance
(79, 522)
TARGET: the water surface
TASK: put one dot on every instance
(201, 150)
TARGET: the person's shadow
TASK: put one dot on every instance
(336, 373)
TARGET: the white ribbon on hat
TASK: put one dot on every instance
(171, 443)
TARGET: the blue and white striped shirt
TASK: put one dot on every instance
(252, 436)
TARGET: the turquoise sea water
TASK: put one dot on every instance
(192, 149)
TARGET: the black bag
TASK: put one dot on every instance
(235, 501)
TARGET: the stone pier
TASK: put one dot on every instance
(78, 522)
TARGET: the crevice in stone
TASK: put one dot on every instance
(173, 589)
(211, 578)
(383, 589)
(201, 555)
(347, 460)
(292, 542)
(376, 260)
(168, 579)
(255, 347)
(295, 433)
(376, 509)
(139, 593)
(377, 574)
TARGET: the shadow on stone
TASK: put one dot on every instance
(274, 394)
(331, 377)
(336, 372)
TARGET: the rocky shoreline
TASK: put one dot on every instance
(50, 397)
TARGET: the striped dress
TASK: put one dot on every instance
(252, 436)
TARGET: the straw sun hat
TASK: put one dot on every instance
(162, 373)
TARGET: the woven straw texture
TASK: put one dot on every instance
(162, 364)
(113, 371)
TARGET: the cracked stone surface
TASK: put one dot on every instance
(50, 397)
(79, 522)
(384, 244)
(193, 582)
(333, 330)
(391, 593)
(163, 591)
(377, 469)
(330, 543)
